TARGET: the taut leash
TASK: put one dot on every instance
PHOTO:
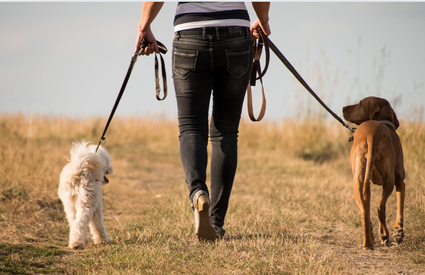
(162, 49)
(268, 44)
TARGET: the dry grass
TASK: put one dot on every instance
(292, 210)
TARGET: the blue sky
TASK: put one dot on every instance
(71, 58)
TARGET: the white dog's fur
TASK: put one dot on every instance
(81, 194)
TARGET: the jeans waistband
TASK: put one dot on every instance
(216, 31)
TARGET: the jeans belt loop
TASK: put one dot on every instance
(204, 32)
(217, 32)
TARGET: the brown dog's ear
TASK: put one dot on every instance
(396, 123)
(382, 110)
(373, 109)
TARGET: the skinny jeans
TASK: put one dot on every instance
(211, 63)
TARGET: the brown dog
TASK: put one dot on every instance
(377, 157)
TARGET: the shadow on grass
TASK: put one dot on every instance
(30, 259)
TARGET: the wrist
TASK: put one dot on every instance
(144, 27)
(263, 20)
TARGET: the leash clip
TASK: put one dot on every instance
(101, 141)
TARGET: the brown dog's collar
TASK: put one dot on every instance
(388, 123)
(383, 121)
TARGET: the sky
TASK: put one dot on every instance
(70, 59)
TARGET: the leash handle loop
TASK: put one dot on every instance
(250, 105)
(256, 70)
(164, 78)
(258, 46)
(162, 49)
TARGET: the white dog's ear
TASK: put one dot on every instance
(96, 165)
(105, 156)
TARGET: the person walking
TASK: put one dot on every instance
(212, 58)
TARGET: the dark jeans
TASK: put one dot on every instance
(206, 60)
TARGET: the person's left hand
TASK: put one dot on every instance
(148, 36)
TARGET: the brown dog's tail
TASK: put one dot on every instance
(370, 161)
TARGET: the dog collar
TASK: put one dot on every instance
(388, 123)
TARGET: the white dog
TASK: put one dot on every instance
(81, 194)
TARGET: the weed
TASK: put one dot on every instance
(13, 191)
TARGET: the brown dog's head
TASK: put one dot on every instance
(370, 108)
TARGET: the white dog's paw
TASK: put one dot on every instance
(77, 245)
(99, 240)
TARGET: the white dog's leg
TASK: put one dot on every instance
(85, 205)
(69, 206)
(69, 203)
(97, 226)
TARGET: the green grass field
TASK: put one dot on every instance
(292, 209)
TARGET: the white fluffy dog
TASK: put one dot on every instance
(81, 194)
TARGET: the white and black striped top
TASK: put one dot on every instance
(190, 15)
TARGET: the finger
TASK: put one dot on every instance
(255, 34)
(147, 50)
(151, 48)
(138, 43)
(154, 46)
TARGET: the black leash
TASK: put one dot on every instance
(269, 44)
(162, 49)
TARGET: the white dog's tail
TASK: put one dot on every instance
(89, 164)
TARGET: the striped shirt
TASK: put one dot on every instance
(190, 15)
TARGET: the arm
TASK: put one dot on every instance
(149, 11)
(262, 21)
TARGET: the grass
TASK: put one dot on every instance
(292, 209)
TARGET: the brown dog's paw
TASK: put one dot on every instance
(384, 240)
(398, 235)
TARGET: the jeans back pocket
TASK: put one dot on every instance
(184, 62)
(238, 61)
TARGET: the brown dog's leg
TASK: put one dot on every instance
(388, 188)
(367, 223)
(398, 227)
(362, 198)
